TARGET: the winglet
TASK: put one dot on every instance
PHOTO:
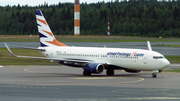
(9, 50)
(149, 46)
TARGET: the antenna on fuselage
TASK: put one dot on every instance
(149, 46)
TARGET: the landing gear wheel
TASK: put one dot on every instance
(86, 73)
(110, 72)
(154, 75)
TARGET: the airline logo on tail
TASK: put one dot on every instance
(46, 36)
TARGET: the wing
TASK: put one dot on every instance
(25, 47)
(52, 59)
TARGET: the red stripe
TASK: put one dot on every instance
(48, 33)
(44, 22)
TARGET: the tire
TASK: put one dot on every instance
(110, 72)
(86, 73)
(154, 75)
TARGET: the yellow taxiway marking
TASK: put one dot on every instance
(103, 78)
(33, 70)
(140, 79)
(27, 70)
(96, 78)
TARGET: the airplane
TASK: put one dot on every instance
(95, 59)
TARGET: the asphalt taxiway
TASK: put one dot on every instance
(57, 83)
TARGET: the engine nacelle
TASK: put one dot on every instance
(94, 68)
(132, 71)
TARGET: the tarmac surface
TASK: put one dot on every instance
(62, 83)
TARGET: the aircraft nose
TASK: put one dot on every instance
(166, 63)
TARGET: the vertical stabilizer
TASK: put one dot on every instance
(46, 36)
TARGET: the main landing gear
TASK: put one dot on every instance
(110, 72)
(85, 73)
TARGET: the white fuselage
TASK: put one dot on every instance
(135, 59)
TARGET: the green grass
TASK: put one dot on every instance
(6, 59)
(172, 70)
(173, 59)
(171, 45)
(86, 38)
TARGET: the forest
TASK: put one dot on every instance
(147, 18)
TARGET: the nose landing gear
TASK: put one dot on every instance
(154, 74)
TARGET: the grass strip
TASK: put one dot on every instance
(6, 59)
(172, 70)
(86, 38)
(171, 45)
(173, 59)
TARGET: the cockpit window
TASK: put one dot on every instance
(158, 57)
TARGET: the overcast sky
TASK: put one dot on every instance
(37, 2)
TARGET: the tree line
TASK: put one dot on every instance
(148, 18)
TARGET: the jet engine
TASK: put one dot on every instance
(94, 68)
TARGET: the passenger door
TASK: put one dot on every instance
(145, 59)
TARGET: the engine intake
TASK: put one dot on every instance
(94, 68)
